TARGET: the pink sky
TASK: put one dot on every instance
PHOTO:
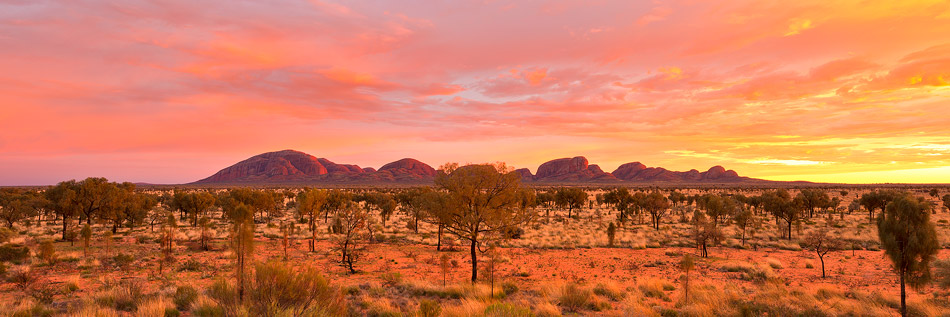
(172, 91)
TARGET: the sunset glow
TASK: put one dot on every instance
(171, 91)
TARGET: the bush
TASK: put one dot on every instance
(190, 265)
(13, 252)
(392, 278)
(6, 234)
(123, 260)
(611, 291)
(206, 309)
(509, 288)
(429, 308)
(574, 298)
(276, 289)
(184, 296)
(47, 252)
(506, 310)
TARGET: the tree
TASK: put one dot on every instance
(934, 192)
(167, 239)
(94, 194)
(205, 236)
(411, 202)
(877, 200)
(242, 243)
(61, 199)
(946, 201)
(909, 239)
(611, 234)
(822, 242)
(195, 204)
(433, 204)
(812, 199)
(743, 219)
(16, 205)
(570, 198)
(656, 204)
(352, 222)
(444, 265)
(782, 206)
(489, 199)
(309, 203)
(86, 234)
(686, 264)
(704, 232)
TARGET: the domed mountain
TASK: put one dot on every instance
(289, 166)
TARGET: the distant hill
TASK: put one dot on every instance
(294, 167)
(289, 166)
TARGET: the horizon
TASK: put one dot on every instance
(849, 92)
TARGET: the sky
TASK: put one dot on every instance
(170, 91)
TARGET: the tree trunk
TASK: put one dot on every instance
(438, 246)
(474, 260)
(822, 259)
(903, 296)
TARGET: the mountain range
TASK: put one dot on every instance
(294, 167)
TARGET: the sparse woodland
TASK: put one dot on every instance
(475, 242)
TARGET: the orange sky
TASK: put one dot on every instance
(171, 91)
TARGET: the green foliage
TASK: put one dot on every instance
(47, 252)
(909, 239)
(184, 296)
(574, 298)
(507, 310)
(429, 308)
(277, 289)
(12, 252)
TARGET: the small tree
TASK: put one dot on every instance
(352, 222)
(743, 219)
(107, 238)
(205, 224)
(570, 198)
(909, 240)
(309, 204)
(611, 234)
(167, 240)
(704, 232)
(444, 265)
(821, 242)
(686, 264)
(656, 204)
(491, 267)
(242, 243)
(86, 234)
(47, 252)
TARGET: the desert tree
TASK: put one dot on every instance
(934, 192)
(309, 204)
(657, 205)
(17, 205)
(435, 203)
(743, 219)
(611, 234)
(204, 237)
(780, 203)
(61, 199)
(411, 203)
(620, 199)
(909, 239)
(821, 242)
(349, 244)
(877, 200)
(195, 204)
(676, 197)
(444, 266)
(704, 232)
(384, 203)
(336, 200)
(242, 243)
(489, 200)
(93, 195)
(167, 240)
(813, 199)
(946, 201)
(686, 264)
(570, 198)
(86, 234)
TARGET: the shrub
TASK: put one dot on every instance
(392, 278)
(509, 288)
(573, 298)
(12, 252)
(774, 263)
(429, 308)
(6, 234)
(506, 310)
(123, 260)
(184, 296)
(37, 310)
(655, 288)
(205, 308)
(611, 291)
(190, 265)
(277, 289)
